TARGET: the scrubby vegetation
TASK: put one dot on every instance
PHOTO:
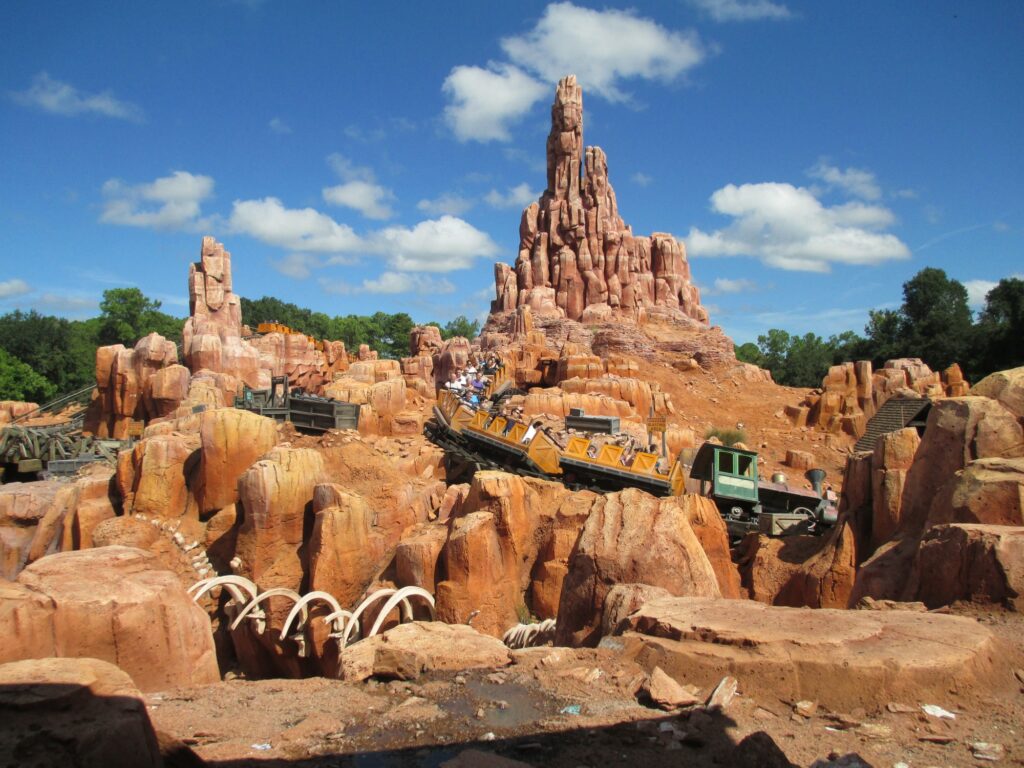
(934, 323)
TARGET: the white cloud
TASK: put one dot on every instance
(515, 197)
(295, 229)
(484, 102)
(977, 290)
(349, 171)
(14, 287)
(391, 283)
(641, 179)
(603, 48)
(277, 125)
(369, 199)
(74, 305)
(446, 203)
(435, 245)
(297, 265)
(724, 285)
(854, 181)
(789, 228)
(169, 202)
(59, 98)
(742, 10)
(360, 191)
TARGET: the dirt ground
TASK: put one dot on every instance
(580, 713)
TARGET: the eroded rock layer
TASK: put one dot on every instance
(577, 257)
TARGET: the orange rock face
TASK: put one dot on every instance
(276, 494)
(111, 604)
(632, 538)
(230, 441)
(576, 254)
(84, 710)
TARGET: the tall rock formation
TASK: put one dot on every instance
(212, 337)
(577, 258)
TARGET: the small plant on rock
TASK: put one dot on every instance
(726, 435)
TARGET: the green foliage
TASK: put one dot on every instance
(460, 326)
(126, 315)
(935, 321)
(44, 344)
(749, 353)
(799, 361)
(19, 382)
(726, 435)
(999, 334)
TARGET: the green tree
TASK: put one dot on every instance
(749, 353)
(43, 343)
(935, 318)
(19, 381)
(1000, 330)
(460, 326)
(126, 315)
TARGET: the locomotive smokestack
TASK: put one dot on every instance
(816, 478)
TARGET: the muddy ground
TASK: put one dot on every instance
(578, 712)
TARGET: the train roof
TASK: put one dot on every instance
(703, 462)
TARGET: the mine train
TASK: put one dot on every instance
(475, 438)
(264, 328)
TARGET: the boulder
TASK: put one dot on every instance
(231, 440)
(427, 646)
(82, 712)
(112, 604)
(1005, 386)
(276, 494)
(976, 563)
(346, 552)
(801, 571)
(893, 456)
(842, 659)
(631, 537)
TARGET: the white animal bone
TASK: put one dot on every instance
(235, 585)
(259, 615)
(306, 600)
(401, 596)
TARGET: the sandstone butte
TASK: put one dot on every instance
(640, 596)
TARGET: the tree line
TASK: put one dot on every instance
(42, 356)
(933, 323)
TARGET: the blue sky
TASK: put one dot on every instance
(361, 156)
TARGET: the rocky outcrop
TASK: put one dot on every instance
(1005, 386)
(977, 563)
(409, 649)
(231, 440)
(212, 336)
(892, 459)
(800, 571)
(851, 393)
(135, 385)
(966, 469)
(277, 495)
(113, 604)
(13, 409)
(631, 537)
(577, 257)
(843, 660)
(81, 712)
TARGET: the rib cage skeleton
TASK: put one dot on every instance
(246, 599)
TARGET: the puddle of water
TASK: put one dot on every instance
(479, 694)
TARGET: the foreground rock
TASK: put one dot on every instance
(633, 538)
(81, 712)
(410, 649)
(113, 604)
(841, 659)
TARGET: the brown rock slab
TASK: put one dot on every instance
(81, 712)
(666, 692)
(632, 538)
(842, 659)
(436, 646)
(116, 604)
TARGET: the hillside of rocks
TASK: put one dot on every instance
(232, 590)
